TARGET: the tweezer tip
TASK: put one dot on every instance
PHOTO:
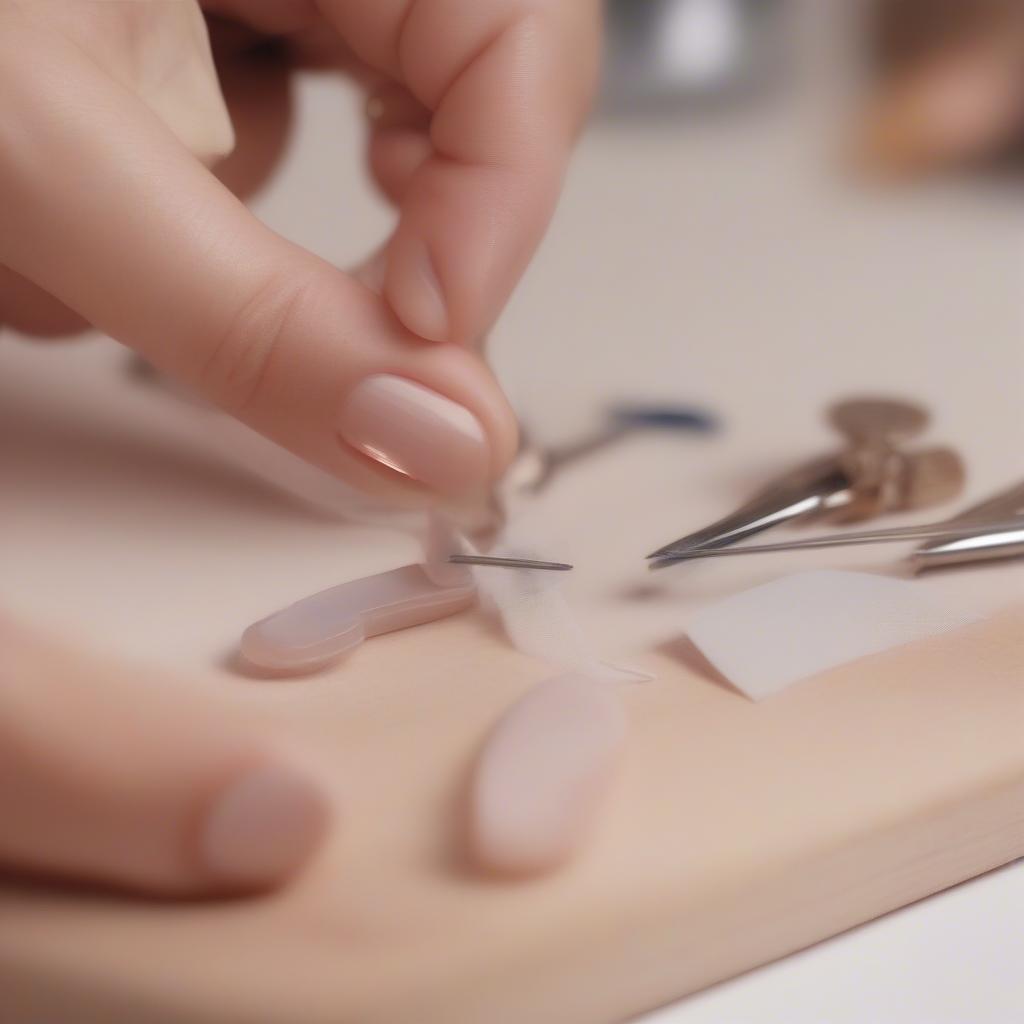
(661, 552)
(664, 563)
(678, 547)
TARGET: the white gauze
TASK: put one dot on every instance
(534, 612)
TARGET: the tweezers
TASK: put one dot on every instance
(819, 487)
(972, 536)
(1010, 532)
(988, 546)
(873, 474)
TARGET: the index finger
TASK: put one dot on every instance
(508, 84)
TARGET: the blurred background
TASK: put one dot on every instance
(778, 203)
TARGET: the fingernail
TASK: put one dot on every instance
(262, 827)
(393, 107)
(422, 306)
(417, 432)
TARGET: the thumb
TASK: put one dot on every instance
(106, 775)
(105, 209)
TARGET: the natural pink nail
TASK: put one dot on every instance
(262, 827)
(417, 294)
(423, 305)
(418, 432)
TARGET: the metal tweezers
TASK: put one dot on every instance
(993, 529)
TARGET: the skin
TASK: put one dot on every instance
(951, 95)
(111, 117)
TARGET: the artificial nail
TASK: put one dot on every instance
(417, 432)
(322, 628)
(262, 827)
(543, 773)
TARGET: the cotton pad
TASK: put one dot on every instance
(763, 640)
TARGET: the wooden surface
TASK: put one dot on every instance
(736, 833)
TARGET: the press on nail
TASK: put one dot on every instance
(322, 628)
(543, 773)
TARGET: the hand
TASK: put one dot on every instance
(108, 112)
(142, 781)
(949, 93)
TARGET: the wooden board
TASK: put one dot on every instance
(736, 833)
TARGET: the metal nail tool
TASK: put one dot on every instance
(991, 530)
(874, 474)
(508, 563)
(990, 545)
(536, 466)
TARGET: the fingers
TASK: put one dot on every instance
(122, 777)
(25, 307)
(945, 111)
(269, 16)
(507, 83)
(399, 141)
(105, 209)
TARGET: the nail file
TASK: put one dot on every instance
(765, 639)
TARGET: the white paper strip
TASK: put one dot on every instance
(763, 640)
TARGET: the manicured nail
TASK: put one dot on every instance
(419, 299)
(417, 432)
(393, 107)
(263, 827)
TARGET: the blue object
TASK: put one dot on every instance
(664, 417)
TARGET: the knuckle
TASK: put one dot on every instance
(244, 359)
